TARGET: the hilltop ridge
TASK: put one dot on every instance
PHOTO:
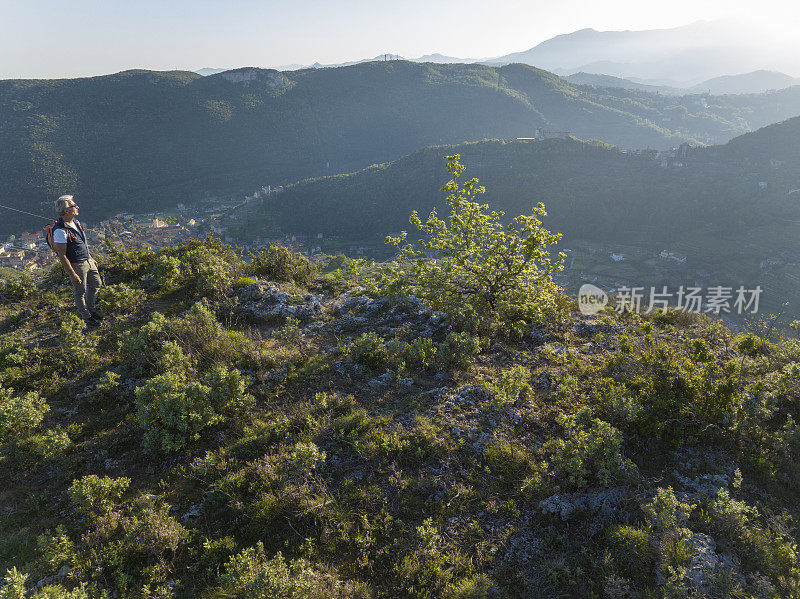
(293, 434)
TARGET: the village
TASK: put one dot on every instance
(28, 250)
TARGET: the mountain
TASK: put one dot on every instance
(144, 140)
(599, 80)
(441, 58)
(592, 189)
(209, 71)
(690, 53)
(747, 83)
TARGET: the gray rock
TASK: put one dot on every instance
(381, 381)
(252, 292)
(708, 566)
(193, 513)
(565, 505)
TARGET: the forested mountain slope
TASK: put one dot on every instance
(141, 140)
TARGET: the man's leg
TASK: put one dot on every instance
(79, 289)
(93, 283)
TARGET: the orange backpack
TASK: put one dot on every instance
(48, 232)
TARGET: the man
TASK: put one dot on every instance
(69, 242)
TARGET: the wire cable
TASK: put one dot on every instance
(23, 212)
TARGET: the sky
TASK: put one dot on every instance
(52, 39)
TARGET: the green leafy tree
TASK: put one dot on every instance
(474, 264)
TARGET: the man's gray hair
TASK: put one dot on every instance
(61, 204)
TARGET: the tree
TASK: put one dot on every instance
(473, 265)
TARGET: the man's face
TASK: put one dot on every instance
(72, 210)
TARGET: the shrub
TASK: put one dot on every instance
(13, 587)
(428, 569)
(482, 267)
(747, 343)
(632, 553)
(95, 495)
(459, 349)
(585, 455)
(18, 288)
(212, 265)
(420, 353)
(509, 385)
(131, 543)
(369, 349)
(289, 332)
(168, 272)
(279, 263)
(55, 550)
(243, 282)
(106, 388)
(120, 298)
(78, 347)
(173, 410)
(52, 442)
(20, 415)
(251, 575)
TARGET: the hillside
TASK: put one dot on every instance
(295, 437)
(746, 83)
(141, 140)
(592, 190)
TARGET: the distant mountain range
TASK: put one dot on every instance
(144, 140)
(747, 83)
(687, 55)
(725, 57)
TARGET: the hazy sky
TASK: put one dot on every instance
(48, 38)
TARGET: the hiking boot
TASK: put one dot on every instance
(97, 316)
(91, 322)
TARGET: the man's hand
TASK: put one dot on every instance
(76, 280)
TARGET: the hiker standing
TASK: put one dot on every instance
(69, 243)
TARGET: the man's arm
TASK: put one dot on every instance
(61, 251)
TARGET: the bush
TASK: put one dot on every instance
(78, 347)
(509, 385)
(632, 553)
(51, 443)
(369, 349)
(279, 263)
(420, 353)
(120, 298)
(483, 267)
(748, 343)
(213, 266)
(106, 389)
(95, 495)
(18, 288)
(459, 349)
(20, 416)
(13, 587)
(168, 272)
(131, 543)
(173, 410)
(587, 455)
(243, 282)
(251, 575)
